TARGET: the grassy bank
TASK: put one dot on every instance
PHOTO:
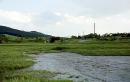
(15, 56)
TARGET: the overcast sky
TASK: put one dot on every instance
(66, 17)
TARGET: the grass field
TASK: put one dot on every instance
(16, 56)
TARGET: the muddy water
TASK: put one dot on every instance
(85, 68)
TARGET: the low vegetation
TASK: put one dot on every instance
(15, 57)
(31, 76)
(15, 51)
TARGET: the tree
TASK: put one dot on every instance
(3, 39)
(74, 37)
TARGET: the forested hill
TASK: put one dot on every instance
(19, 33)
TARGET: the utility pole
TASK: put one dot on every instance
(83, 36)
(94, 28)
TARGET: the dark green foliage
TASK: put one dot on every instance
(60, 48)
(53, 39)
(19, 33)
(106, 37)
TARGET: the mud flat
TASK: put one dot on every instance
(85, 68)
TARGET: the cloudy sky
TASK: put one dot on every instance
(66, 17)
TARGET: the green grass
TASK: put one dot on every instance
(16, 56)
(96, 48)
(31, 76)
(35, 80)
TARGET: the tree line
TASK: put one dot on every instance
(107, 36)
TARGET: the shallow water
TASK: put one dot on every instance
(85, 68)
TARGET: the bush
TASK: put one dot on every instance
(59, 48)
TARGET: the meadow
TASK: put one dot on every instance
(14, 57)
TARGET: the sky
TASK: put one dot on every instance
(66, 17)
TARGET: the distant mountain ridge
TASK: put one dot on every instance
(19, 33)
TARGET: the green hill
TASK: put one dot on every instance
(19, 33)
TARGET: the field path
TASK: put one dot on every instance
(85, 68)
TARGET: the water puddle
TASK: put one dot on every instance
(85, 68)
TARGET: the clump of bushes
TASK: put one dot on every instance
(60, 48)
